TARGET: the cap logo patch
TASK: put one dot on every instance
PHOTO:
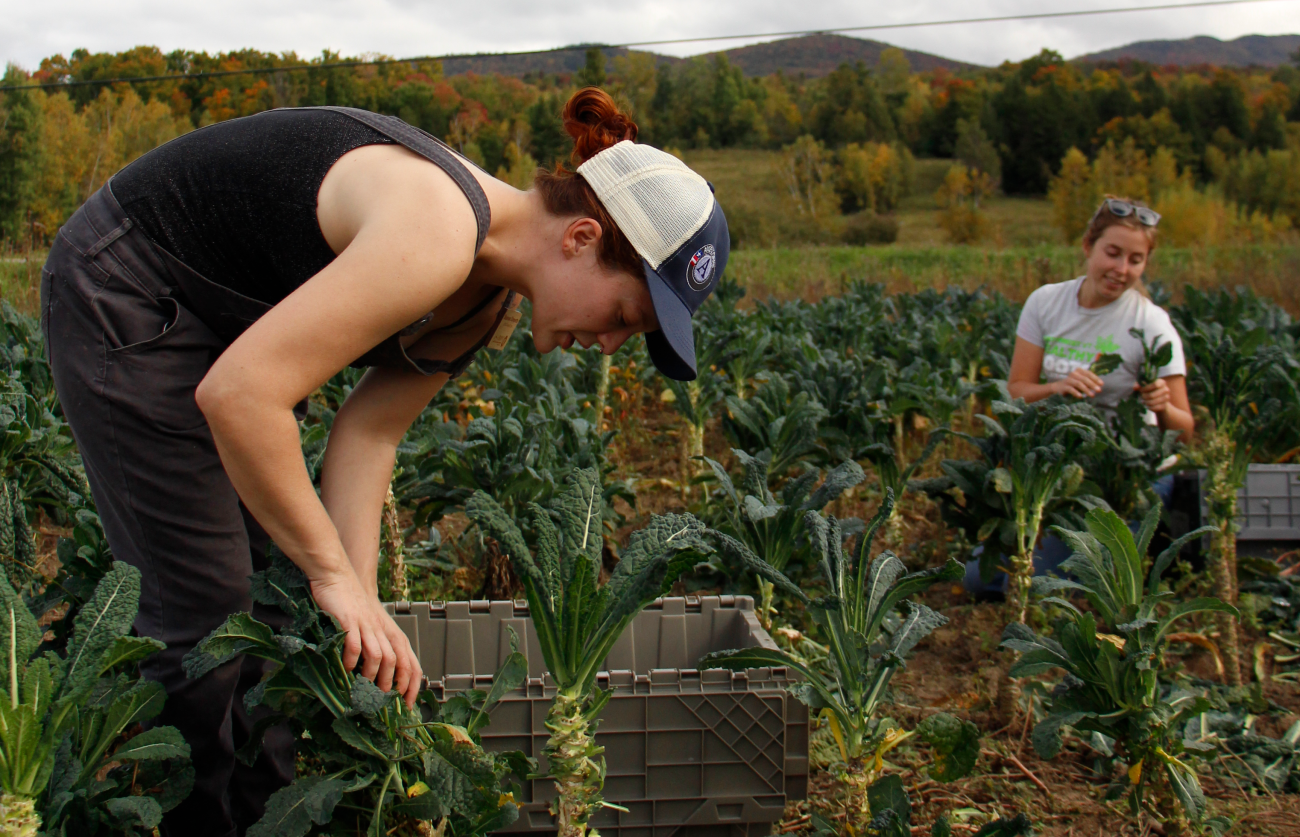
(702, 266)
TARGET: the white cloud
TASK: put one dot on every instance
(423, 27)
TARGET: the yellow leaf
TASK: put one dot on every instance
(835, 731)
(667, 396)
(1116, 641)
(1135, 773)
(418, 789)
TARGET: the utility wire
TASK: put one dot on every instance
(792, 33)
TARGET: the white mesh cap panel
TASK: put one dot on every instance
(656, 200)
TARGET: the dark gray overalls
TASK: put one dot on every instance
(130, 331)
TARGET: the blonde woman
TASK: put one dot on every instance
(1063, 327)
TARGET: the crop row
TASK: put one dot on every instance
(811, 399)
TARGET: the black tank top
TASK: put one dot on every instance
(236, 200)
(236, 203)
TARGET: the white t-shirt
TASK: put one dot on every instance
(1072, 336)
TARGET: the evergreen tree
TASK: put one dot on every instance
(20, 154)
(593, 72)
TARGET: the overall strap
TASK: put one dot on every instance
(391, 352)
(435, 151)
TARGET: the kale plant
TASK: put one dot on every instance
(868, 643)
(1112, 657)
(778, 420)
(577, 621)
(373, 765)
(1249, 390)
(67, 765)
(1029, 472)
(770, 526)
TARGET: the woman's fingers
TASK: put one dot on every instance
(387, 663)
(372, 654)
(1076, 388)
(408, 675)
(1155, 395)
(351, 647)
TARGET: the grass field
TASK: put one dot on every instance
(762, 215)
(783, 254)
(20, 279)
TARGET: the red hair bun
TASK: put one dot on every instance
(595, 123)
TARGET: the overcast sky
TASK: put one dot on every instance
(404, 28)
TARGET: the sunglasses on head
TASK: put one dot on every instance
(1122, 209)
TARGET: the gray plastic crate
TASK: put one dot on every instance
(689, 753)
(1268, 505)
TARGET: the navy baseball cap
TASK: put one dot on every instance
(670, 216)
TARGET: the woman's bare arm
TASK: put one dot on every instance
(359, 459)
(363, 441)
(1027, 371)
(411, 252)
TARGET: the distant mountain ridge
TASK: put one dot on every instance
(568, 60)
(818, 55)
(1246, 51)
(812, 55)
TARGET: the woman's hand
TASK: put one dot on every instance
(1155, 396)
(1081, 383)
(373, 636)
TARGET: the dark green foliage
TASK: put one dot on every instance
(1124, 472)
(1247, 383)
(539, 431)
(1017, 826)
(1103, 365)
(778, 420)
(1155, 356)
(578, 622)
(1029, 467)
(375, 763)
(771, 525)
(1111, 685)
(956, 745)
(868, 642)
(68, 723)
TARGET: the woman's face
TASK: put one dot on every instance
(1116, 261)
(576, 300)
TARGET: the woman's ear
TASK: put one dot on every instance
(580, 236)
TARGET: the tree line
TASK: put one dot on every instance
(58, 143)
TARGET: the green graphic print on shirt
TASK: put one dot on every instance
(1061, 354)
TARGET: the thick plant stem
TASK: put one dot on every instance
(1021, 575)
(1221, 486)
(576, 765)
(684, 461)
(855, 780)
(395, 547)
(1169, 811)
(602, 389)
(766, 592)
(18, 817)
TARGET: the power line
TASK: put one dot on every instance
(792, 33)
(880, 26)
